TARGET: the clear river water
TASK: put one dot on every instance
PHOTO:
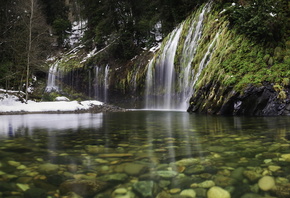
(140, 154)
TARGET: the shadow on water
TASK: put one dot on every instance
(162, 150)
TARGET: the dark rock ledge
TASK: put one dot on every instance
(264, 100)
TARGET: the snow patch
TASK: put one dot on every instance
(155, 48)
(11, 103)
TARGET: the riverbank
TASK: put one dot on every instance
(11, 104)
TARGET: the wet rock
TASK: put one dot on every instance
(115, 155)
(44, 185)
(274, 168)
(164, 183)
(72, 168)
(48, 168)
(144, 188)
(122, 193)
(163, 194)
(93, 149)
(240, 190)
(55, 180)
(184, 182)
(35, 193)
(218, 149)
(23, 187)
(190, 193)
(238, 173)
(266, 183)
(4, 186)
(116, 177)
(14, 163)
(187, 162)
(65, 160)
(149, 176)
(252, 175)
(135, 169)
(196, 169)
(83, 187)
(73, 195)
(224, 181)
(24, 180)
(217, 192)
(251, 195)
(206, 184)
(286, 157)
(174, 190)
(200, 192)
(167, 174)
(106, 108)
(282, 190)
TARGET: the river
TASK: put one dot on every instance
(143, 154)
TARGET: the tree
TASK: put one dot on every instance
(56, 14)
(262, 20)
(25, 40)
(37, 37)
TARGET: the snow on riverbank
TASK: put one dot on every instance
(10, 104)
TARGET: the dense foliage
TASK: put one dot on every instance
(265, 21)
(129, 25)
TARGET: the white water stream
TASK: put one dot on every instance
(53, 75)
(167, 88)
(101, 83)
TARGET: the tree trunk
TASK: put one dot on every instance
(29, 47)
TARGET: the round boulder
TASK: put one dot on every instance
(217, 192)
(266, 183)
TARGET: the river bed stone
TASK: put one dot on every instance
(133, 168)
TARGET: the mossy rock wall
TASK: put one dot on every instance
(243, 77)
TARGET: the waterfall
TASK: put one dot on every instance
(101, 83)
(106, 85)
(167, 88)
(160, 89)
(186, 79)
(54, 75)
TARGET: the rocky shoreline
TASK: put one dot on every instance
(94, 109)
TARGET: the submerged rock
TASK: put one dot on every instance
(83, 187)
(35, 193)
(217, 192)
(48, 168)
(144, 188)
(190, 193)
(135, 169)
(266, 183)
(167, 174)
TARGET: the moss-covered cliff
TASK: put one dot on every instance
(226, 71)
(243, 77)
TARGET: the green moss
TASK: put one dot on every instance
(282, 95)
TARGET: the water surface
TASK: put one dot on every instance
(172, 151)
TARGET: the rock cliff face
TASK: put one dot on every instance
(254, 101)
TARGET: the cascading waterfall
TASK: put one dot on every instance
(101, 83)
(163, 78)
(54, 76)
(106, 85)
(186, 80)
(165, 87)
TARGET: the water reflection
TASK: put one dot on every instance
(12, 124)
